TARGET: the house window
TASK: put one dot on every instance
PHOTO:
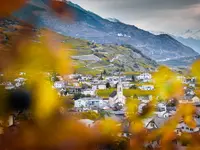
(182, 127)
(187, 128)
(191, 129)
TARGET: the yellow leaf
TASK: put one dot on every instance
(195, 69)
(190, 121)
(137, 126)
(109, 127)
(167, 84)
(45, 99)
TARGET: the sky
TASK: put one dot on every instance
(169, 16)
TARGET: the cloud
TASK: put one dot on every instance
(157, 15)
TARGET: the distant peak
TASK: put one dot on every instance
(113, 19)
(164, 35)
(157, 32)
(74, 5)
(188, 31)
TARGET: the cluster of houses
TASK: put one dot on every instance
(17, 83)
(115, 103)
(88, 85)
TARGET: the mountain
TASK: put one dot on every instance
(89, 57)
(190, 38)
(191, 42)
(89, 26)
(180, 62)
(113, 19)
(194, 34)
(186, 39)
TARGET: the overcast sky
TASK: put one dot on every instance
(172, 16)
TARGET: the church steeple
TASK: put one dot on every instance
(117, 96)
(120, 91)
(119, 87)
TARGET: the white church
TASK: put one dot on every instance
(117, 97)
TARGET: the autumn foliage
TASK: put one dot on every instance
(52, 129)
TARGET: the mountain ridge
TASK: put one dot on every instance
(88, 25)
(191, 42)
(88, 57)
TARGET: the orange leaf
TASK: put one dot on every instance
(9, 6)
(62, 9)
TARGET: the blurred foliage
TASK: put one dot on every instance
(9, 6)
(43, 122)
(92, 115)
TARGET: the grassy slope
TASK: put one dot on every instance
(126, 58)
(123, 58)
(126, 92)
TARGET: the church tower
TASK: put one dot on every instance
(120, 95)
(117, 97)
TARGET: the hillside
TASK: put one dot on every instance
(89, 26)
(98, 57)
(90, 57)
(191, 42)
(181, 62)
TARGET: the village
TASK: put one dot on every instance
(107, 95)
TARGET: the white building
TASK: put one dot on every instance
(195, 99)
(145, 77)
(73, 76)
(126, 85)
(89, 103)
(182, 79)
(85, 78)
(22, 73)
(20, 80)
(145, 98)
(161, 110)
(18, 84)
(59, 84)
(146, 87)
(182, 127)
(101, 86)
(88, 92)
(193, 85)
(117, 96)
(155, 122)
(87, 122)
(9, 86)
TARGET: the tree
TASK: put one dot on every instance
(104, 113)
(108, 85)
(88, 95)
(92, 115)
(78, 96)
(172, 103)
(54, 77)
(68, 102)
(118, 143)
(133, 78)
(118, 106)
(133, 87)
(104, 72)
(101, 77)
